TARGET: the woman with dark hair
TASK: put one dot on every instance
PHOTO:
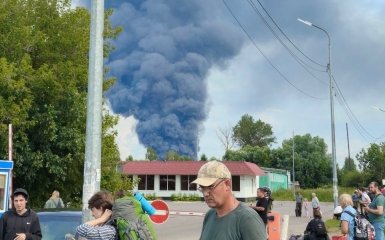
(315, 229)
(99, 228)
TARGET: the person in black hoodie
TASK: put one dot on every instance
(20, 222)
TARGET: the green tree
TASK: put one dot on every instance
(112, 179)
(174, 156)
(43, 90)
(255, 154)
(372, 162)
(352, 179)
(349, 165)
(312, 164)
(204, 157)
(252, 133)
(151, 154)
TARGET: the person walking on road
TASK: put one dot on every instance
(228, 219)
(306, 207)
(347, 216)
(298, 204)
(315, 204)
(20, 222)
(375, 211)
(54, 201)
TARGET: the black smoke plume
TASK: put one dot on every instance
(161, 62)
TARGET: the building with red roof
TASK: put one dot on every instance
(165, 178)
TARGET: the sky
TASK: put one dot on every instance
(186, 70)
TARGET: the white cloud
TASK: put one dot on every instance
(127, 139)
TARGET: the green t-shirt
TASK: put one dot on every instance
(243, 223)
(379, 200)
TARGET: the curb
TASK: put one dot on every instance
(187, 213)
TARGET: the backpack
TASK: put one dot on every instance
(131, 222)
(320, 229)
(363, 229)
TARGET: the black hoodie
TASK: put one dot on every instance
(12, 223)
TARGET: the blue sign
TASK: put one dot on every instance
(5, 179)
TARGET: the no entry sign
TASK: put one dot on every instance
(162, 212)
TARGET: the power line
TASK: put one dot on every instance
(266, 58)
(283, 33)
(356, 123)
(303, 64)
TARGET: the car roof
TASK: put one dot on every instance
(60, 213)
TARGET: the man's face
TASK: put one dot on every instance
(372, 188)
(20, 203)
(215, 194)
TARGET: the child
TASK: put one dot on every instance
(306, 207)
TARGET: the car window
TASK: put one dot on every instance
(55, 227)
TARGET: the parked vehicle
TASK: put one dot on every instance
(59, 224)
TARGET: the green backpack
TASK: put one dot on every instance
(131, 222)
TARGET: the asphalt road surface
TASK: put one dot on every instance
(185, 220)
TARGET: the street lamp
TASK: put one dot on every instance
(329, 70)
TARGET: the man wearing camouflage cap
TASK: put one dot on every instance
(228, 219)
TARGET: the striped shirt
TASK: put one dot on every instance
(103, 232)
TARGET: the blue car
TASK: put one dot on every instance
(59, 224)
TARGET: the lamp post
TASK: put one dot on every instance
(329, 70)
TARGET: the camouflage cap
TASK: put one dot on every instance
(210, 172)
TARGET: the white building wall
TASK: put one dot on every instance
(248, 186)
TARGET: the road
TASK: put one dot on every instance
(185, 221)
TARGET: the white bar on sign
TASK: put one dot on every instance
(161, 212)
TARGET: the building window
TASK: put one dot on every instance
(236, 183)
(185, 183)
(167, 182)
(146, 182)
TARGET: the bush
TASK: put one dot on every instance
(324, 194)
(150, 196)
(185, 197)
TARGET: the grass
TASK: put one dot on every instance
(332, 225)
(324, 194)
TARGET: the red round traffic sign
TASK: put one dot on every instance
(162, 212)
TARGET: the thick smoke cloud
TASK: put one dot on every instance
(161, 63)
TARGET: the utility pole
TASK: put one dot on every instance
(347, 136)
(92, 169)
(293, 168)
